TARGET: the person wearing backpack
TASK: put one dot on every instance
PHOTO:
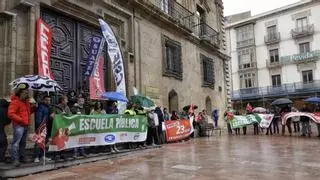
(4, 121)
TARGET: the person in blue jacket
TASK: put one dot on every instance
(42, 114)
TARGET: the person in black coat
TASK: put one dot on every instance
(161, 120)
(305, 121)
(283, 111)
(4, 121)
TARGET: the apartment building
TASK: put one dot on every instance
(275, 54)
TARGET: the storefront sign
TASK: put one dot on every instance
(300, 57)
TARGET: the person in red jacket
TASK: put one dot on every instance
(19, 112)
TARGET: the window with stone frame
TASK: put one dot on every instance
(272, 32)
(304, 47)
(302, 24)
(207, 71)
(246, 57)
(307, 76)
(172, 58)
(247, 80)
(274, 55)
(244, 33)
(276, 80)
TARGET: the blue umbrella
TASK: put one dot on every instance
(314, 100)
(115, 96)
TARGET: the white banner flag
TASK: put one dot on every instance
(115, 55)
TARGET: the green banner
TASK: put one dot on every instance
(264, 120)
(94, 130)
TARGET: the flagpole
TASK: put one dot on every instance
(44, 156)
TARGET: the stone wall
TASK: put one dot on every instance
(140, 37)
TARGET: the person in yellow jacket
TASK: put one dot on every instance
(130, 111)
(140, 111)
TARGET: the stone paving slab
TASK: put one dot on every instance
(216, 158)
(8, 171)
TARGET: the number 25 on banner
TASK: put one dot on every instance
(180, 129)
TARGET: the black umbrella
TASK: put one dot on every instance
(281, 101)
(186, 108)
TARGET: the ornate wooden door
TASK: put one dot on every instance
(70, 47)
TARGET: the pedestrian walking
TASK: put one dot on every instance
(215, 117)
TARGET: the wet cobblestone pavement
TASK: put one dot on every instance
(219, 158)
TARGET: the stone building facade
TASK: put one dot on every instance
(275, 54)
(174, 51)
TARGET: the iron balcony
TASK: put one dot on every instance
(302, 31)
(277, 91)
(272, 38)
(207, 33)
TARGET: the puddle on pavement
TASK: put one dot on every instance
(186, 167)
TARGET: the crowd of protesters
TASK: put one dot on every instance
(19, 108)
(304, 128)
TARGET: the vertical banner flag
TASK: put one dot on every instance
(96, 47)
(40, 136)
(44, 42)
(96, 80)
(115, 55)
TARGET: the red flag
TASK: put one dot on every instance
(191, 109)
(40, 137)
(249, 107)
(96, 80)
(44, 42)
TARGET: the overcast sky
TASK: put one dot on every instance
(256, 6)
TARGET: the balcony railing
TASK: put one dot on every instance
(207, 33)
(247, 66)
(174, 10)
(272, 38)
(277, 91)
(273, 64)
(301, 58)
(244, 43)
(302, 31)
